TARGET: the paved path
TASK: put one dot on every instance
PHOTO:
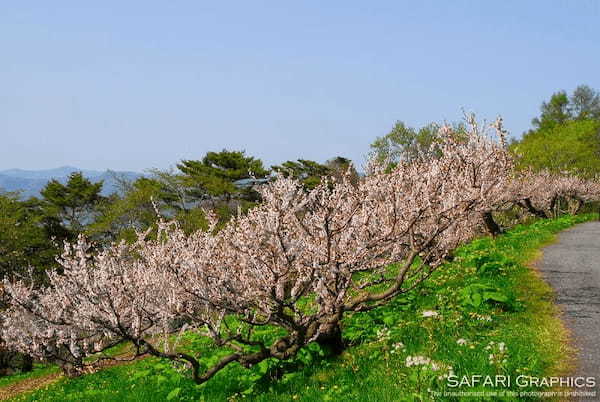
(572, 267)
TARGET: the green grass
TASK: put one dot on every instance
(487, 294)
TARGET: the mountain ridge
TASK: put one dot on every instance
(29, 183)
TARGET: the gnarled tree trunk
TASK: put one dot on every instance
(490, 224)
(332, 340)
(526, 203)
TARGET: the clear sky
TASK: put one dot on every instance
(131, 85)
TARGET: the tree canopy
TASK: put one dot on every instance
(73, 203)
(24, 239)
(403, 142)
(573, 146)
(309, 172)
(584, 103)
(566, 135)
(215, 175)
(209, 183)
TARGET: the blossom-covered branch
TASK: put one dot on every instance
(541, 193)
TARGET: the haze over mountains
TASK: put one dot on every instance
(30, 182)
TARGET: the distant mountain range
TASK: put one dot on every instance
(29, 183)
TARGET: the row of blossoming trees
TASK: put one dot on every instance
(299, 260)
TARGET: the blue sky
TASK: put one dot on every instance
(141, 84)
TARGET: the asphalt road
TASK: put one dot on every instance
(572, 267)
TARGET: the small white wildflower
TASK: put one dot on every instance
(499, 353)
(462, 341)
(430, 313)
(397, 347)
(417, 361)
(383, 333)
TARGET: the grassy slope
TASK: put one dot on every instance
(514, 307)
(38, 371)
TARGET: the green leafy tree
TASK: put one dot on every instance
(25, 240)
(122, 215)
(74, 203)
(573, 146)
(215, 176)
(139, 206)
(566, 135)
(555, 111)
(172, 189)
(404, 142)
(340, 166)
(309, 172)
(583, 104)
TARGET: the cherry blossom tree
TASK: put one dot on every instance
(298, 261)
(541, 193)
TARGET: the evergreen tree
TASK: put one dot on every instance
(215, 176)
(74, 204)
